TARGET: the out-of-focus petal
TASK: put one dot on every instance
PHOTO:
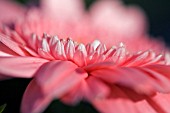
(12, 45)
(33, 100)
(66, 9)
(58, 77)
(76, 94)
(5, 51)
(96, 89)
(112, 19)
(10, 11)
(123, 100)
(24, 67)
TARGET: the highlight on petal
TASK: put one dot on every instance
(24, 67)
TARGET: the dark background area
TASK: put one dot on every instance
(158, 15)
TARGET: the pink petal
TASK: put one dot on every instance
(10, 10)
(11, 45)
(63, 8)
(58, 77)
(5, 51)
(136, 78)
(20, 66)
(33, 100)
(76, 94)
(161, 102)
(96, 89)
(112, 15)
(123, 101)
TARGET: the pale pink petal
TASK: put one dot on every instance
(33, 100)
(10, 10)
(24, 67)
(58, 77)
(11, 45)
(112, 19)
(66, 9)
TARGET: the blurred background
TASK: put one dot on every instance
(158, 15)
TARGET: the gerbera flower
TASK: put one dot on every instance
(115, 77)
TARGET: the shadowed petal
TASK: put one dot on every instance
(160, 102)
(76, 94)
(57, 77)
(123, 100)
(96, 89)
(142, 80)
(20, 66)
(33, 100)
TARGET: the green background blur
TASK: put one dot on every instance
(158, 15)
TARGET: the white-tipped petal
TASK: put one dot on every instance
(45, 46)
(53, 40)
(69, 49)
(95, 44)
(82, 48)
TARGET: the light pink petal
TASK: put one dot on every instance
(10, 10)
(24, 67)
(113, 19)
(67, 9)
(11, 45)
(56, 78)
(33, 100)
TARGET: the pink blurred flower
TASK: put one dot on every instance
(10, 11)
(115, 79)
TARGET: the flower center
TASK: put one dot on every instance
(53, 48)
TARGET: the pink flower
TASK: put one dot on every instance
(10, 11)
(115, 78)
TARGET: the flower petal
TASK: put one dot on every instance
(112, 15)
(11, 45)
(20, 66)
(9, 10)
(123, 100)
(96, 89)
(141, 79)
(161, 102)
(57, 77)
(33, 100)
(63, 8)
